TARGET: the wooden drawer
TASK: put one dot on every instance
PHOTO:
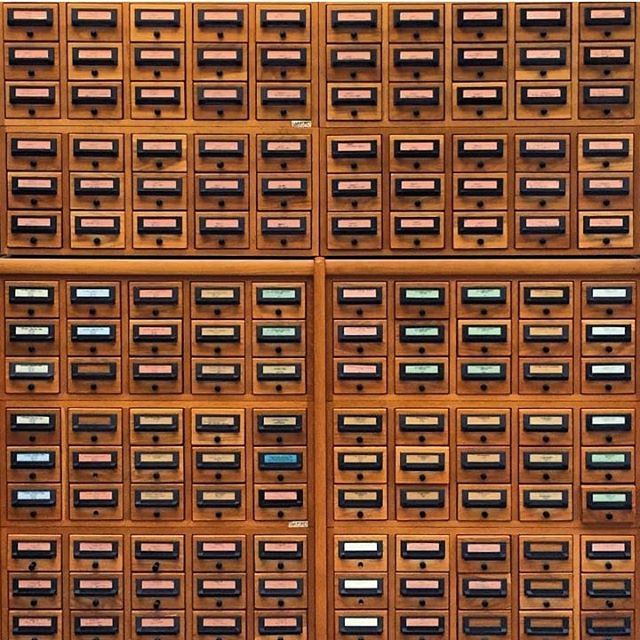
(284, 101)
(33, 464)
(354, 102)
(545, 464)
(218, 465)
(110, 624)
(486, 62)
(543, 100)
(359, 426)
(360, 553)
(34, 191)
(96, 553)
(155, 375)
(156, 464)
(543, 152)
(357, 231)
(612, 553)
(422, 553)
(157, 591)
(40, 590)
(32, 100)
(353, 23)
(34, 552)
(94, 375)
(217, 338)
(538, 591)
(411, 63)
(412, 102)
(481, 22)
(95, 426)
(31, 61)
(155, 337)
(91, 502)
(606, 100)
(47, 624)
(483, 465)
(609, 21)
(546, 553)
(596, 153)
(416, 24)
(159, 152)
(484, 337)
(543, 22)
(483, 426)
(94, 24)
(220, 101)
(419, 427)
(349, 63)
(88, 62)
(95, 101)
(415, 231)
(606, 61)
(480, 153)
(96, 152)
(95, 464)
(155, 426)
(212, 24)
(414, 153)
(606, 464)
(284, 62)
(607, 426)
(32, 337)
(473, 101)
(97, 191)
(418, 591)
(546, 337)
(482, 554)
(364, 337)
(539, 231)
(31, 22)
(157, 62)
(34, 151)
(156, 503)
(105, 589)
(168, 623)
(157, 553)
(545, 503)
(490, 502)
(422, 502)
(483, 591)
(353, 591)
(225, 427)
(288, 23)
(484, 300)
(227, 590)
(360, 502)
(604, 591)
(420, 338)
(219, 553)
(274, 502)
(33, 427)
(220, 62)
(480, 231)
(609, 299)
(483, 375)
(360, 465)
(217, 301)
(412, 625)
(543, 62)
(280, 553)
(29, 375)
(157, 24)
(608, 504)
(157, 100)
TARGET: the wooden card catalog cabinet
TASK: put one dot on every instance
(325, 313)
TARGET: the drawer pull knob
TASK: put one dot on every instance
(32, 112)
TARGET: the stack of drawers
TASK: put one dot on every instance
(319, 320)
